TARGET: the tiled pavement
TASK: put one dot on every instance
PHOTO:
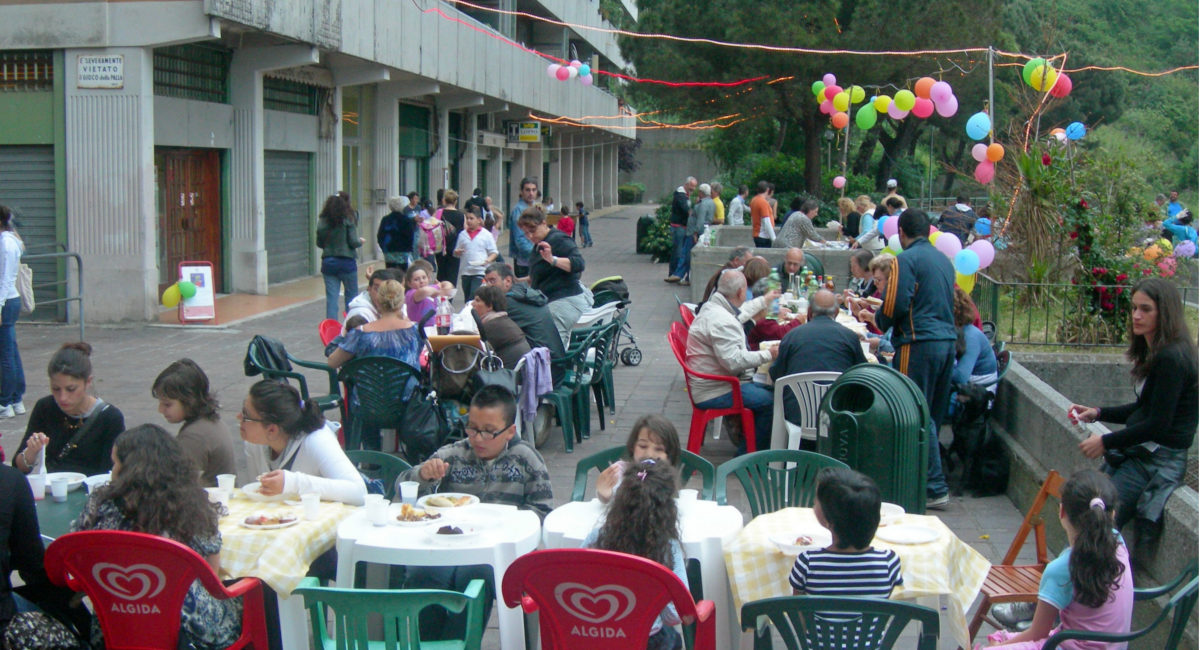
(128, 357)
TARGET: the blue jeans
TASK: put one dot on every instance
(435, 622)
(337, 271)
(684, 266)
(12, 374)
(585, 233)
(758, 399)
(469, 284)
(678, 234)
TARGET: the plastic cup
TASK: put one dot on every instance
(217, 495)
(377, 510)
(408, 492)
(311, 503)
(689, 495)
(37, 483)
(58, 489)
(226, 481)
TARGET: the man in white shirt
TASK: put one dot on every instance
(736, 215)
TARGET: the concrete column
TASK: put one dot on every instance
(610, 188)
(590, 167)
(247, 241)
(470, 175)
(495, 180)
(112, 220)
(387, 141)
(327, 176)
(565, 165)
(440, 174)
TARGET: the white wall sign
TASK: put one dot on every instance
(203, 305)
(524, 131)
(104, 71)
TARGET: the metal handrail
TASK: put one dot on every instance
(78, 283)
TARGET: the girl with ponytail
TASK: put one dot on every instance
(1090, 585)
(292, 450)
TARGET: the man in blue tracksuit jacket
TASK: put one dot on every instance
(919, 307)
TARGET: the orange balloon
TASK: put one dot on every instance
(923, 86)
(1057, 130)
(840, 120)
(995, 152)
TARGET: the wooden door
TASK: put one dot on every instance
(189, 185)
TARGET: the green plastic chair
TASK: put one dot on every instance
(1179, 609)
(381, 387)
(400, 609)
(569, 397)
(878, 623)
(381, 465)
(770, 488)
(689, 464)
(329, 401)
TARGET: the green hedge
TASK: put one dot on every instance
(630, 193)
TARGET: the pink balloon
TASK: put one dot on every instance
(829, 79)
(923, 108)
(563, 73)
(948, 244)
(832, 90)
(895, 113)
(575, 63)
(827, 107)
(1062, 86)
(891, 226)
(839, 182)
(947, 107)
(932, 229)
(979, 152)
(586, 80)
(986, 252)
(985, 172)
(940, 92)
(552, 70)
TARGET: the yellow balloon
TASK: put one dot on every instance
(1164, 244)
(857, 94)
(905, 100)
(967, 282)
(171, 296)
(1043, 78)
(882, 103)
(841, 101)
(934, 237)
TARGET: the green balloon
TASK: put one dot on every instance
(186, 289)
(1030, 66)
(818, 86)
(866, 117)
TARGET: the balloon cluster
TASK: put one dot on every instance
(1042, 77)
(570, 71)
(967, 261)
(979, 126)
(926, 97)
(181, 290)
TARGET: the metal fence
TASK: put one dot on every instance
(62, 287)
(1066, 315)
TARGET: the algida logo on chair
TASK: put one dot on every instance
(599, 605)
(131, 583)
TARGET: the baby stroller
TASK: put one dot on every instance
(611, 290)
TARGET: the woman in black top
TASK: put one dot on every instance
(447, 263)
(75, 428)
(554, 270)
(1147, 458)
(397, 232)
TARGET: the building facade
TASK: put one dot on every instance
(143, 134)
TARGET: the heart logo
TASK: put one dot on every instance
(601, 604)
(130, 583)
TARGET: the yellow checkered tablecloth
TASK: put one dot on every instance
(946, 566)
(278, 557)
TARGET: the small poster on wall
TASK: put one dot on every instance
(202, 305)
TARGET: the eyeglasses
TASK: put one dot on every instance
(486, 435)
(246, 418)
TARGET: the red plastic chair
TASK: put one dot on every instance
(701, 416)
(328, 330)
(594, 599)
(137, 583)
(686, 314)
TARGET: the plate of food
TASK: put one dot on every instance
(792, 543)
(453, 533)
(93, 482)
(446, 501)
(407, 515)
(890, 513)
(907, 534)
(252, 492)
(270, 522)
(74, 479)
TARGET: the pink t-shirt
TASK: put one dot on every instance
(417, 310)
(1113, 616)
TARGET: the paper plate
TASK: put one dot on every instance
(786, 542)
(74, 479)
(889, 513)
(394, 513)
(423, 502)
(907, 534)
(93, 482)
(285, 524)
(252, 493)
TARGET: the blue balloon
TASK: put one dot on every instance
(585, 70)
(879, 224)
(978, 126)
(966, 261)
(1076, 130)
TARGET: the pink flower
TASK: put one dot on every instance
(1046, 159)
(1074, 235)
(1123, 277)
(1083, 203)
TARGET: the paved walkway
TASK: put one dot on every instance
(127, 358)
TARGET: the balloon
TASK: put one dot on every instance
(979, 152)
(575, 63)
(585, 70)
(978, 126)
(186, 289)
(947, 107)
(171, 296)
(923, 86)
(839, 182)
(880, 223)
(995, 152)
(857, 94)
(1030, 66)
(986, 252)
(966, 282)
(966, 262)
(1062, 87)
(1061, 136)
(562, 73)
(1076, 130)
(882, 103)
(552, 70)
(1043, 78)
(933, 237)
(940, 92)
(922, 107)
(905, 100)
(866, 117)
(841, 101)
(891, 226)
(827, 107)
(985, 172)
(829, 79)
(840, 120)
(571, 71)
(831, 90)
(895, 113)
(893, 244)
(821, 96)
(818, 86)
(586, 79)
(932, 229)
(948, 244)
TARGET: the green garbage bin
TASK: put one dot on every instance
(644, 223)
(875, 419)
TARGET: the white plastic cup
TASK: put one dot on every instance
(377, 511)
(217, 495)
(226, 481)
(311, 502)
(58, 489)
(408, 492)
(37, 483)
(689, 495)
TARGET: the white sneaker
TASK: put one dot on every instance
(19, 408)
(6, 412)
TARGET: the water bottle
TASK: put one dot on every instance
(802, 305)
(443, 316)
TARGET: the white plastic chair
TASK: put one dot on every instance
(808, 388)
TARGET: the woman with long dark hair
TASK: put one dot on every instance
(1147, 459)
(337, 237)
(12, 374)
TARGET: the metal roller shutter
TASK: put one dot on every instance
(289, 239)
(27, 187)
